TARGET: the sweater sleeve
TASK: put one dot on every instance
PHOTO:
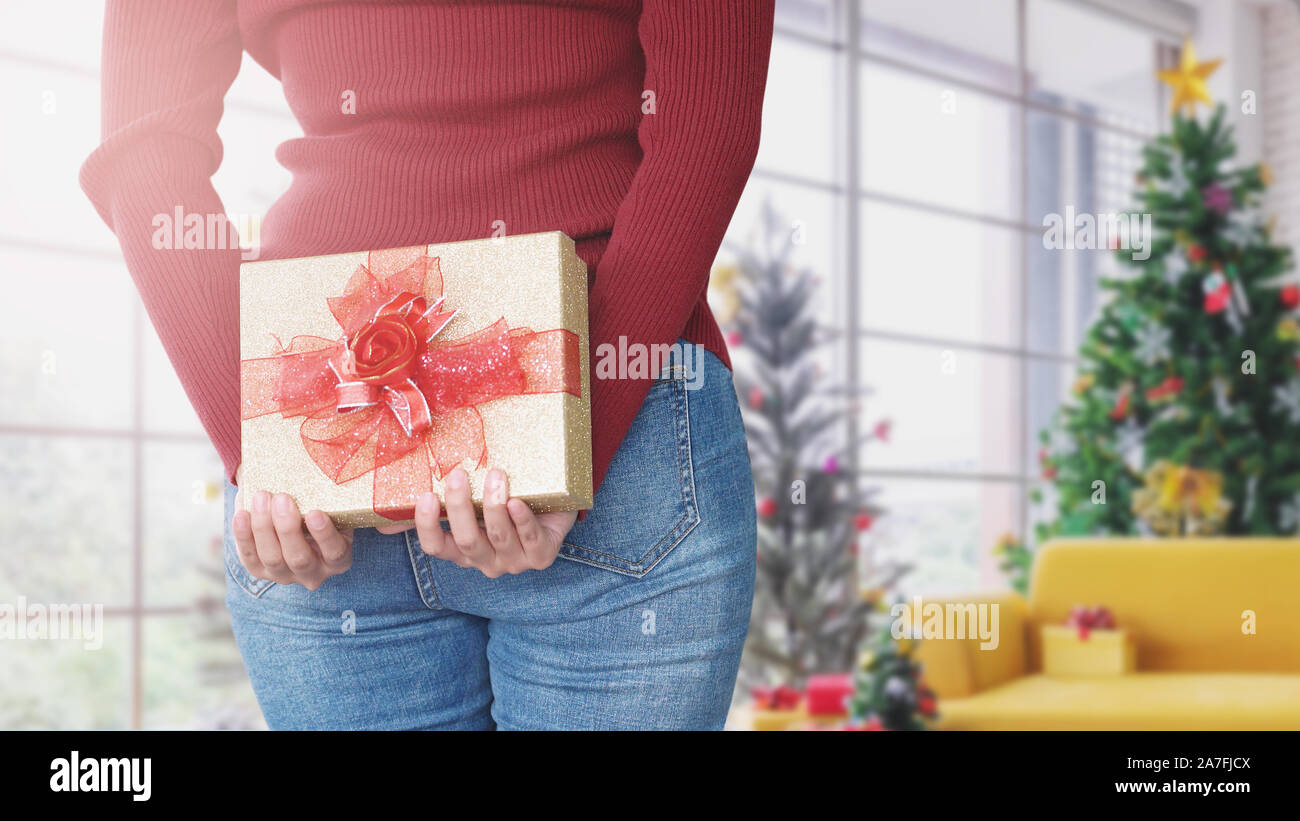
(706, 64)
(166, 68)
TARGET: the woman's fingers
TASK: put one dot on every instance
(300, 557)
(334, 546)
(267, 541)
(433, 539)
(500, 529)
(465, 532)
(531, 537)
(241, 526)
(272, 545)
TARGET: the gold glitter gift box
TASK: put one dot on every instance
(366, 377)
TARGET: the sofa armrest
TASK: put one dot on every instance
(960, 667)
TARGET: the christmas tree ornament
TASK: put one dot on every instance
(1178, 184)
(1289, 295)
(831, 465)
(722, 293)
(1188, 80)
(1288, 515)
(1196, 252)
(1217, 198)
(1120, 409)
(1288, 330)
(1178, 500)
(1265, 172)
(1175, 266)
(767, 507)
(882, 429)
(863, 522)
(1286, 400)
(1153, 341)
(1168, 388)
(1129, 443)
(756, 398)
(1222, 390)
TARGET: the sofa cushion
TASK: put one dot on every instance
(1140, 701)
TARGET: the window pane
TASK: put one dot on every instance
(66, 684)
(797, 115)
(945, 529)
(51, 125)
(1077, 171)
(1049, 386)
(951, 410)
(924, 140)
(802, 223)
(183, 515)
(1085, 59)
(973, 40)
(193, 676)
(28, 27)
(811, 17)
(66, 519)
(70, 365)
(963, 286)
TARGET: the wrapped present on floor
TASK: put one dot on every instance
(827, 695)
(776, 708)
(367, 377)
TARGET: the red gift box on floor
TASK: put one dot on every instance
(828, 694)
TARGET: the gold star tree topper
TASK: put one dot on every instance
(1188, 80)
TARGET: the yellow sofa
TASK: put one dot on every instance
(1192, 605)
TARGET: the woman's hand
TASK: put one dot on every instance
(512, 538)
(272, 544)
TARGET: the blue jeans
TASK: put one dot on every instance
(638, 625)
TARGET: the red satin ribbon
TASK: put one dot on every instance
(419, 417)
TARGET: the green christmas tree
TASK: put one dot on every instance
(1185, 418)
(810, 613)
(888, 690)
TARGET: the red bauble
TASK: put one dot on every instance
(1217, 301)
(767, 506)
(734, 339)
(863, 521)
(926, 705)
(756, 398)
(1290, 295)
(882, 430)
(1196, 253)
(1121, 407)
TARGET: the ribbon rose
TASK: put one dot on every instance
(386, 396)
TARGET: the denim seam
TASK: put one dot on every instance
(251, 586)
(690, 513)
(423, 580)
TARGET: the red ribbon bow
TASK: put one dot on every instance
(1087, 619)
(784, 697)
(387, 396)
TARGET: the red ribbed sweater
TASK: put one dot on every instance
(468, 115)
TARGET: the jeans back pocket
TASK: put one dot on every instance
(646, 503)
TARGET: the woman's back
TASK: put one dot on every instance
(450, 121)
